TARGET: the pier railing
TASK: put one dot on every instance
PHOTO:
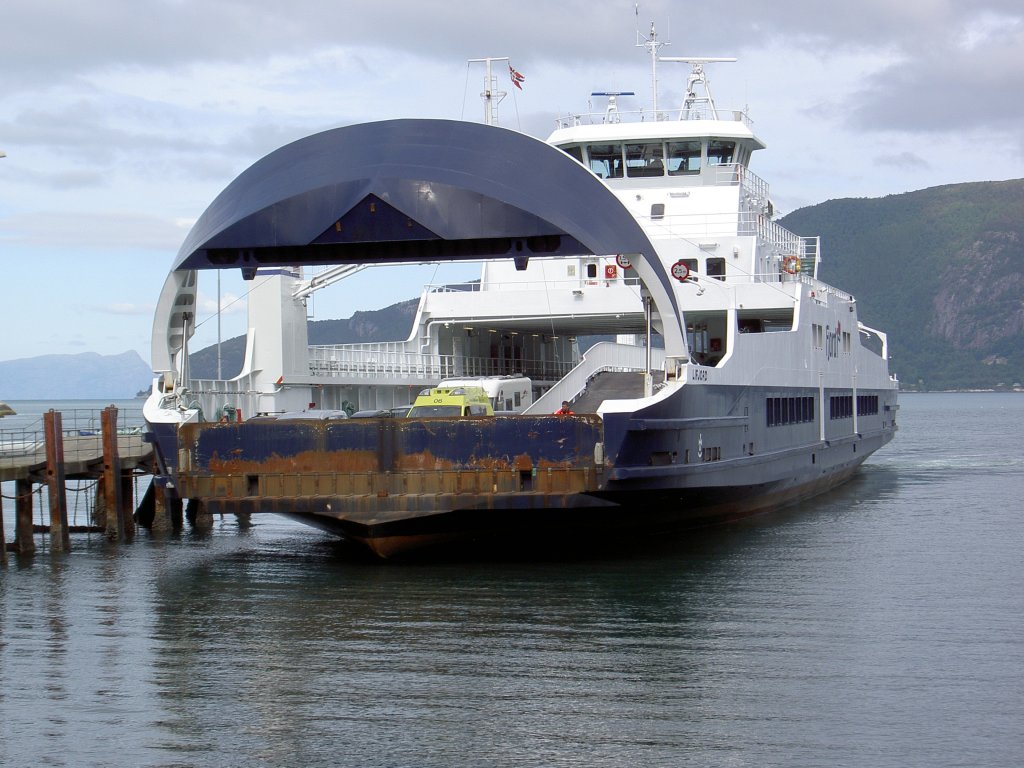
(81, 428)
(106, 445)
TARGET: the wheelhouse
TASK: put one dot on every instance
(684, 161)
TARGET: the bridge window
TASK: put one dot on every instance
(574, 151)
(606, 160)
(644, 159)
(720, 152)
(683, 157)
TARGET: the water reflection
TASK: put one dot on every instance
(875, 625)
(443, 657)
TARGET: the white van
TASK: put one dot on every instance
(508, 394)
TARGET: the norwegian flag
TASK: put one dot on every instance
(517, 77)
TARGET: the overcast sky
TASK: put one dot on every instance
(122, 120)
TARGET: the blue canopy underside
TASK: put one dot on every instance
(413, 190)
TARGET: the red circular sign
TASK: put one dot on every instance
(623, 261)
(680, 271)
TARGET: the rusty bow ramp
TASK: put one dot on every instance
(398, 484)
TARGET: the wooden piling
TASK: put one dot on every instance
(120, 524)
(23, 540)
(99, 508)
(127, 512)
(3, 537)
(163, 521)
(60, 541)
(176, 511)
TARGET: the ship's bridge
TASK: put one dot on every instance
(678, 153)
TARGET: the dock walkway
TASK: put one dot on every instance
(23, 455)
(112, 454)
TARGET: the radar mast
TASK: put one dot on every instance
(695, 107)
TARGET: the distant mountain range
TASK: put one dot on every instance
(940, 270)
(86, 376)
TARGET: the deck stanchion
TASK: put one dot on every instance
(60, 541)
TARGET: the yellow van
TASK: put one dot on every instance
(452, 401)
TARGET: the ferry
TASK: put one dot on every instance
(630, 266)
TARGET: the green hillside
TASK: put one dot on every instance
(940, 270)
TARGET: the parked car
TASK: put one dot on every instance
(316, 414)
(372, 413)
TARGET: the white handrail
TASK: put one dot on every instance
(603, 356)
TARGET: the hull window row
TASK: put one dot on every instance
(713, 453)
(780, 411)
(867, 404)
(840, 407)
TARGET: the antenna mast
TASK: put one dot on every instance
(653, 45)
(490, 95)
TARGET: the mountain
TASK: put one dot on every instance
(940, 270)
(83, 376)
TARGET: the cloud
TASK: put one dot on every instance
(167, 101)
(907, 160)
(126, 309)
(950, 86)
(82, 231)
(230, 304)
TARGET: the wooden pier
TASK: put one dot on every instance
(111, 456)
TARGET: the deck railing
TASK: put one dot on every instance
(81, 428)
(75, 422)
(696, 112)
(604, 356)
(390, 360)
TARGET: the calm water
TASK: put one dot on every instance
(882, 625)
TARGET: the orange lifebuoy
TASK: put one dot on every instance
(791, 265)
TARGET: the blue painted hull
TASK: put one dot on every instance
(396, 485)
